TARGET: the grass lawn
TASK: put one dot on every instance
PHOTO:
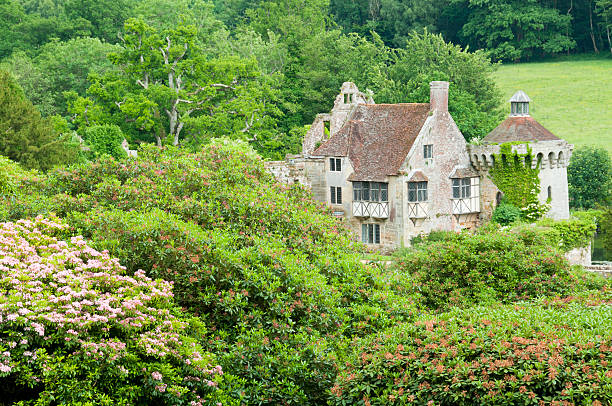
(572, 98)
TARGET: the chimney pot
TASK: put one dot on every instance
(438, 96)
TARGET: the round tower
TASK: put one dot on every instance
(520, 133)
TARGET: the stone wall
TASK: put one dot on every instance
(309, 172)
(579, 256)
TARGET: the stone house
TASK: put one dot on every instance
(395, 171)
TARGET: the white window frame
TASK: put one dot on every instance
(418, 191)
(335, 194)
(335, 164)
(370, 233)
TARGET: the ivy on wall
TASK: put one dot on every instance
(514, 176)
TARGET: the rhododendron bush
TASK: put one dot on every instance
(74, 328)
(276, 279)
(278, 282)
(555, 352)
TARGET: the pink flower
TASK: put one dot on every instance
(157, 376)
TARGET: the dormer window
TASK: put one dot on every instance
(519, 104)
(348, 98)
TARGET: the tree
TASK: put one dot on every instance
(25, 136)
(167, 88)
(589, 177)
(473, 96)
(604, 9)
(59, 67)
(514, 30)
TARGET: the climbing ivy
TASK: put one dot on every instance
(518, 181)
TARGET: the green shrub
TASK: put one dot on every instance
(497, 266)
(75, 329)
(569, 234)
(436, 235)
(525, 354)
(105, 140)
(274, 276)
(506, 213)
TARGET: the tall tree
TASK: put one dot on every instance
(167, 87)
(604, 10)
(515, 30)
(589, 177)
(25, 136)
(59, 67)
(473, 96)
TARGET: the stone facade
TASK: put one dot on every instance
(395, 171)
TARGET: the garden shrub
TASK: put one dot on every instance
(75, 329)
(105, 140)
(435, 235)
(481, 268)
(506, 213)
(276, 278)
(555, 352)
(570, 233)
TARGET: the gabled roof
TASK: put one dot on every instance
(377, 138)
(519, 128)
(417, 176)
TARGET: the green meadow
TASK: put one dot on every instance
(572, 98)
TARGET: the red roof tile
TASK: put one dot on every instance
(519, 128)
(377, 138)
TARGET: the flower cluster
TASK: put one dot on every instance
(510, 355)
(67, 304)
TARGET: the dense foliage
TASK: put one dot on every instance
(589, 177)
(515, 176)
(76, 328)
(25, 136)
(497, 266)
(277, 280)
(550, 352)
(173, 72)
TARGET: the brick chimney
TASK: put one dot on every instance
(438, 96)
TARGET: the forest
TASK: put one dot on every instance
(182, 72)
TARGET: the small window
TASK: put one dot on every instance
(550, 193)
(357, 192)
(370, 233)
(428, 151)
(347, 98)
(417, 191)
(335, 164)
(326, 129)
(336, 194)
(461, 188)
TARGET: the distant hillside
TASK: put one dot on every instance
(572, 98)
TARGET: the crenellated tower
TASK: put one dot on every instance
(521, 133)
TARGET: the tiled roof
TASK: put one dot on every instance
(460, 172)
(519, 128)
(377, 138)
(417, 176)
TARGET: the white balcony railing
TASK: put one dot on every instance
(467, 205)
(417, 210)
(378, 210)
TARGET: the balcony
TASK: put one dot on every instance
(417, 210)
(466, 206)
(379, 210)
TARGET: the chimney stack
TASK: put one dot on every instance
(438, 96)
